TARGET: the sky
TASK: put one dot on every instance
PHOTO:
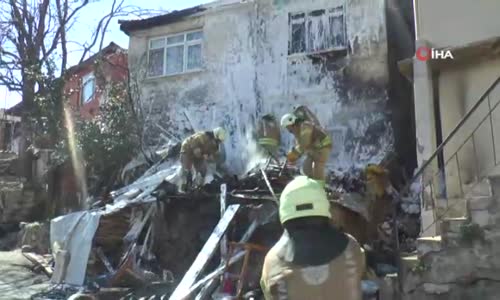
(88, 19)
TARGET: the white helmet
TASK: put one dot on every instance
(288, 119)
(220, 133)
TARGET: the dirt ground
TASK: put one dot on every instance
(17, 281)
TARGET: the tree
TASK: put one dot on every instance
(107, 142)
(34, 31)
(33, 54)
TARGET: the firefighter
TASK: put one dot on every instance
(268, 135)
(196, 150)
(305, 114)
(312, 259)
(312, 140)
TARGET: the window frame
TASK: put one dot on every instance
(185, 43)
(339, 10)
(86, 78)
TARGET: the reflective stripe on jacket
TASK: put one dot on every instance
(268, 142)
(268, 132)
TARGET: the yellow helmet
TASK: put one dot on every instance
(288, 119)
(303, 197)
(220, 133)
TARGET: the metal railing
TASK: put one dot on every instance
(449, 175)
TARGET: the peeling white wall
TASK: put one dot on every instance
(248, 73)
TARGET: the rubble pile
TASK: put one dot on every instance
(347, 182)
(210, 241)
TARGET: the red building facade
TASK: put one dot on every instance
(88, 81)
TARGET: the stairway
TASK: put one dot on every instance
(464, 261)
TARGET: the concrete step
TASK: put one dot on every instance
(479, 202)
(428, 245)
(451, 230)
(482, 217)
(482, 188)
(452, 225)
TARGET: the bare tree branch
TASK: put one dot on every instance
(43, 7)
(62, 11)
(97, 32)
(56, 38)
(105, 28)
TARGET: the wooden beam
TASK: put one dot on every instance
(223, 243)
(183, 289)
(38, 260)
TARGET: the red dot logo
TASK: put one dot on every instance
(423, 53)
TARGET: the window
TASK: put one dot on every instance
(175, 54)
(317, 31)
(88, 88)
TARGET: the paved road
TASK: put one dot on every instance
(16, 280)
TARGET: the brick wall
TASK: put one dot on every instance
(113, 68)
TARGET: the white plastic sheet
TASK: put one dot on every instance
(78, 241)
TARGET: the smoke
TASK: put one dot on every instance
(254, 157)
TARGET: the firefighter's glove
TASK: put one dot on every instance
(292, 157)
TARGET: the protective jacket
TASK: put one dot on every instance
(305, 114)
(311, 138)
(286, 275)
(200, 144)
(268, 132)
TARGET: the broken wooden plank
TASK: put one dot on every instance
(269, 185)
(181, 292)
(223, 243)
(144, 245)
(207, 279)
(105, 260)
(210, 286)
(136, 229)
(212, 280)
(38, 260)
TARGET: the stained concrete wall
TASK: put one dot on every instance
(249, 73)
(460, 89)
(401, 45)
(448, 23)
(456, 23)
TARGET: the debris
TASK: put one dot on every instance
(283, 168)
(74, 232)
(36, 235)
(223, 243)
(248, 250)
(150, 228)
(126, 275)
(204, 255)
(105, 260)
(269, 185)
(235, 258)
(39, 261)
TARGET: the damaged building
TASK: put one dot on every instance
(228, 63)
